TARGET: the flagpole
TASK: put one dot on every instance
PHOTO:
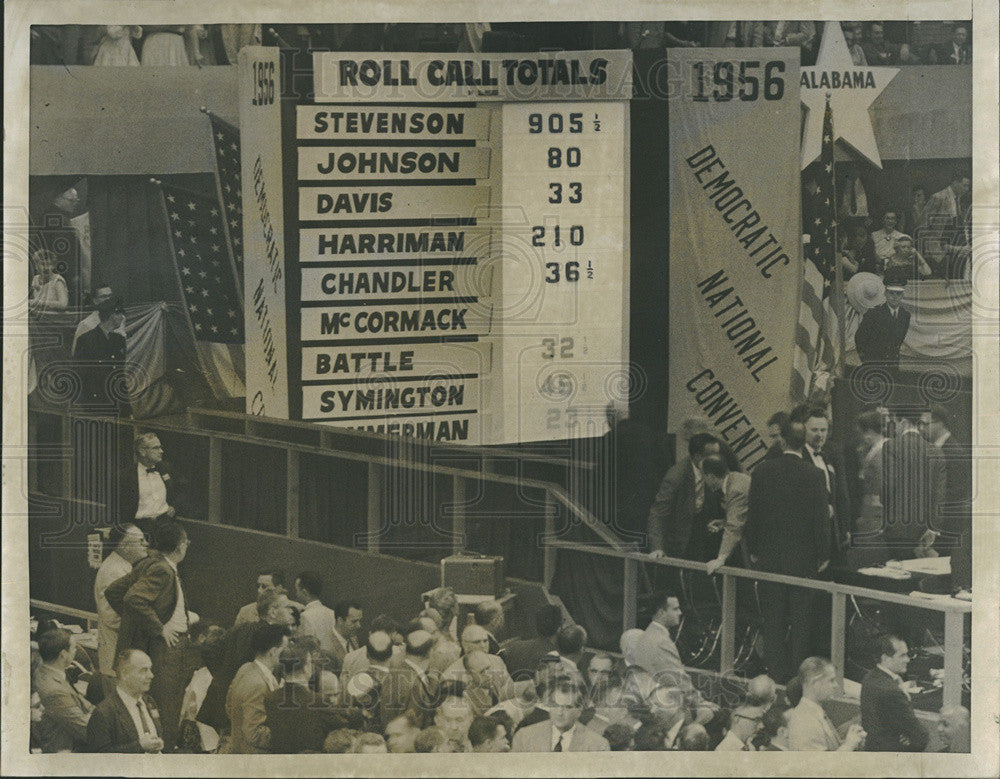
(206, 373)
(222, 206)
(838, 270)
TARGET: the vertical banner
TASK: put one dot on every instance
(263, 244)
(735, 239)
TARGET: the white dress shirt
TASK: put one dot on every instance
(178, 621)
(566, 736)
(113, 568)
(152, 493)
(133, 705)
(272, 683)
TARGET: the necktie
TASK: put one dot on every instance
(558, 746)
(142, 717)
(699, 495)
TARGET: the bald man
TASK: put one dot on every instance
(475, 641)
(954, 729)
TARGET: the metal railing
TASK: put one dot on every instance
(323, 442)
(954, 610)
(89, 617)
(556, 497)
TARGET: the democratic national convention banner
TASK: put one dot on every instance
(735, 239)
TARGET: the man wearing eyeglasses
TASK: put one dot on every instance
(886, 711)
(744, 724)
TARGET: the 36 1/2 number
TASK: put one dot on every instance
(555, 123)
(554, 272)
(263, 83)
(725, 78)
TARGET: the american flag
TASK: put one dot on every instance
(226, 140)
(817, 343)
(208, 286)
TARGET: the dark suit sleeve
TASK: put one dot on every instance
(115, 592)
(751, 530)
(662, 507)
(896, 709)
(142, 594)
(819, 512)
(100, 733)
(863, 337)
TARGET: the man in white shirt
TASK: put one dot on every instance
(130, 547)
(144, 495)
(316, 619)
(127, 721)
(744, 723)
(562, 731)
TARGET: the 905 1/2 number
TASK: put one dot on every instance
(726, 76)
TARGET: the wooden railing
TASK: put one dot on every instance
(954, 610)
(89, 617)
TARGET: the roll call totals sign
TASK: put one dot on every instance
(454, 218)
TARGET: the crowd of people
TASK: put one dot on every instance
(296, 676)
(877, 43)
(905, 492)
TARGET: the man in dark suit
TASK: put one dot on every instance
(819, 451)
(127, 720)
(273, 608)
(154, 619)
(100, 354)
(788, 532)
(913, 484)
(146, 489)
(886, 712)
(678, 520)
(298, 718)
(883, 329)
(951, 531)
(522, 655)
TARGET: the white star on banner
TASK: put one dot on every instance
(849, 103)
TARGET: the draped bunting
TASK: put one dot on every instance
(940, 326)
(163, 366)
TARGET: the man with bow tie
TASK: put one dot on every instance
(819, 454)
(147, 488)
(886, 712)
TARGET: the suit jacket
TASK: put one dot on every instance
(810, 730)
(317, 621)
(887, 716)
(246, 707)
(112, 728)
(100, 356)
(672, 514)
(839, 494)
(522, 655)
(145, 598)
(913, 485)
(735, 498)
(880, 335)
(66, 710)
(128, 489)
(538, 738)
(788, 519)
(236, 651)
(656, 653)
(297, 719)
(956, 512)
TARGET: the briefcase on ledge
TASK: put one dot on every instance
(469, 573)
